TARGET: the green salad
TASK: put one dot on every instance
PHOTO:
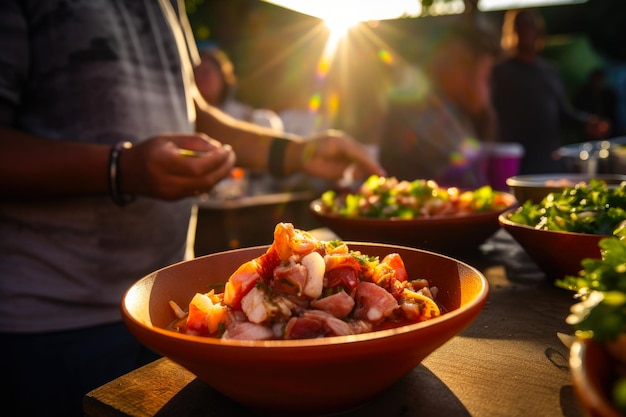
(601, 288)
(600, 313)
(389, 198)
(592, 208)
(600, 310)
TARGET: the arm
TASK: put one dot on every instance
(326, 155)
(32, 167)
(38, 168)
(592, 125)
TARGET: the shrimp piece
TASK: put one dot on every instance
(240, 283)
(290, 241)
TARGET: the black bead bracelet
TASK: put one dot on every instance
(114, 175)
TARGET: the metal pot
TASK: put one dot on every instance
(595, 157)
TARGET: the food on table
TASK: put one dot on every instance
(601, 288)
(600, 313)
(592, 208)
(302, 288)
(389, 198)
(563, 182)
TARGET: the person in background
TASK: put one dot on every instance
(217, 82)
(596, 96)
(529, 98)
(435, 128)
(106, 143)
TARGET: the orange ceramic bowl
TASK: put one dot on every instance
(301, 377)
(451, 235)
(593, 372)
(557, 253)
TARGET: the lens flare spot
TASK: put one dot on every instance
(385, 56)
(323, 67)
(333, 104)
(315, 102)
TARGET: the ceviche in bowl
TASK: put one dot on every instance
(416, 213)
(304, 326)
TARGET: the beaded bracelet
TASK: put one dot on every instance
(114, 175)
(276, 157)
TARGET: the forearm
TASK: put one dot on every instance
(33, 167)
(250, 142)
(325, 155)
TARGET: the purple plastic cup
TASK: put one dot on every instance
(503, 161)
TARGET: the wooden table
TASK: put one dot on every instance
(509, 362)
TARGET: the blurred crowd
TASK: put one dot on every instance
(474, 84)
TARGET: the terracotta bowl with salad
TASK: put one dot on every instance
(304, 326)
(416, 213)
(536, 187)
(596, 379)
(598, 318)
(566, 227)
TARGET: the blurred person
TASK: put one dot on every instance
(217, 82)
(435, 129)
(98, 109)
(529, 98)
(597, 97)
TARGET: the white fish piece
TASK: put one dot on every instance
(316, 267)
(255, 305)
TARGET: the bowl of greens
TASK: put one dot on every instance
(416, 213)
(598, 317)
(536, 187)
(566, 227)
